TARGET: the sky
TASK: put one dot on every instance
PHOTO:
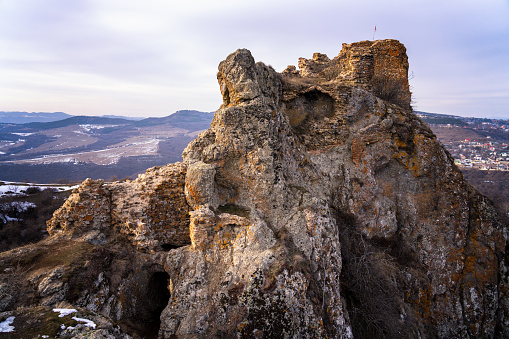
(155, 57)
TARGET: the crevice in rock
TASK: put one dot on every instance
(233, 209)
(156, 300)
(226, 96)
(169, 247)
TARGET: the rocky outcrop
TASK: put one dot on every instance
(317, 205)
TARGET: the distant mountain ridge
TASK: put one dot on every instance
(179, 117)
(187, 119)
(26, 117)
(19, 118)
(77, 120)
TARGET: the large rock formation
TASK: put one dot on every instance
(317, 205)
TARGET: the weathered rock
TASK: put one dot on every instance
(323, 157)
(317, 205)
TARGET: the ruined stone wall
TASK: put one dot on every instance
(88, 208)
(151, 211)
(380, 66)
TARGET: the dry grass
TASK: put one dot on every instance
(38, 321)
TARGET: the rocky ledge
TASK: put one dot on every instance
(317, 205)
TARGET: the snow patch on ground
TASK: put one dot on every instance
(136, 146)
(64, 311)
(88, 323)
(6, 218)
(5, 326)
(88, 127)
(17, 188)
(20, 206)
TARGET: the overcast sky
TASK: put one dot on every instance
(152, 58)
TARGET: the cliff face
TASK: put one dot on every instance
(316, 205)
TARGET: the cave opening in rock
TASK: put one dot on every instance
(168, 247)
(157, 298)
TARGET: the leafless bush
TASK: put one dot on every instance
(391, 90)
(331, 73)
(369, 286)
(32, 190)
(23, 225)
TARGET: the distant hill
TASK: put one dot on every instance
(121, 117)
(26, 117)
(183, 116)
(186, 119)
(454, 120)
(441, 119)
(78, 120)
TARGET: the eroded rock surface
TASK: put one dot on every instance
(317, 205)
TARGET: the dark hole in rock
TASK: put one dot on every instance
(233, 209)
(167, 247)
(156, 300)
(311, 105)
(226, 96)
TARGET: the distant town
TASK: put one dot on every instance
(476, 143)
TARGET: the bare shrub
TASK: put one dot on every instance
(331, 73)
(23, 225)
(391, 90)
(32, 190)
(369, 286)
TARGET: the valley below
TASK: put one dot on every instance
(76, 148)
